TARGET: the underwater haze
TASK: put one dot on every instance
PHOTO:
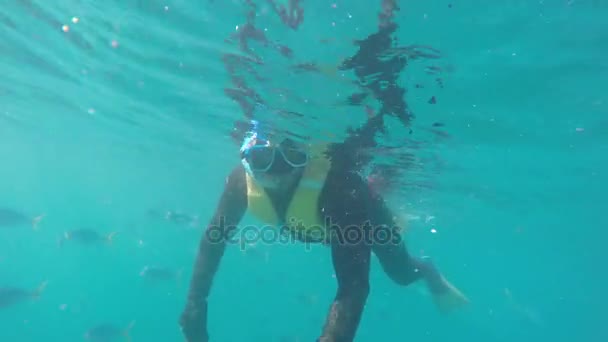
(120, 120)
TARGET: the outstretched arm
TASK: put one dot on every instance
(230, 210)
(344, 202)
(351, 264)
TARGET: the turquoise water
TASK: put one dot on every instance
(124, 117)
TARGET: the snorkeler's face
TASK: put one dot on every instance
(278, 175)
(287, 164)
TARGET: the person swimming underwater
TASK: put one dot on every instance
(300, 188)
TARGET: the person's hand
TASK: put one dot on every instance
(193, 322)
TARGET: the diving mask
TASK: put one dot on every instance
(260, 155)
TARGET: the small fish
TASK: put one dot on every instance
(108, 332)
(12, 218)
(86, 236)
(176, 217)
(159, 272)
(308, 299)
(181, 218)
(10, 296)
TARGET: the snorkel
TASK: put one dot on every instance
(252, 138)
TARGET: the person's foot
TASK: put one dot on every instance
(450, 299)
(446, 296)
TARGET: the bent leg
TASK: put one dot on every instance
(405, 269)
(393, 255)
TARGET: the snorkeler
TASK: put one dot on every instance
(307, 192)
(315, 194)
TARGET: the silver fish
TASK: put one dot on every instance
(160, 273)
(177, 217)
(86, 236)
(12, 218)
(10, 296)
(107, 332)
